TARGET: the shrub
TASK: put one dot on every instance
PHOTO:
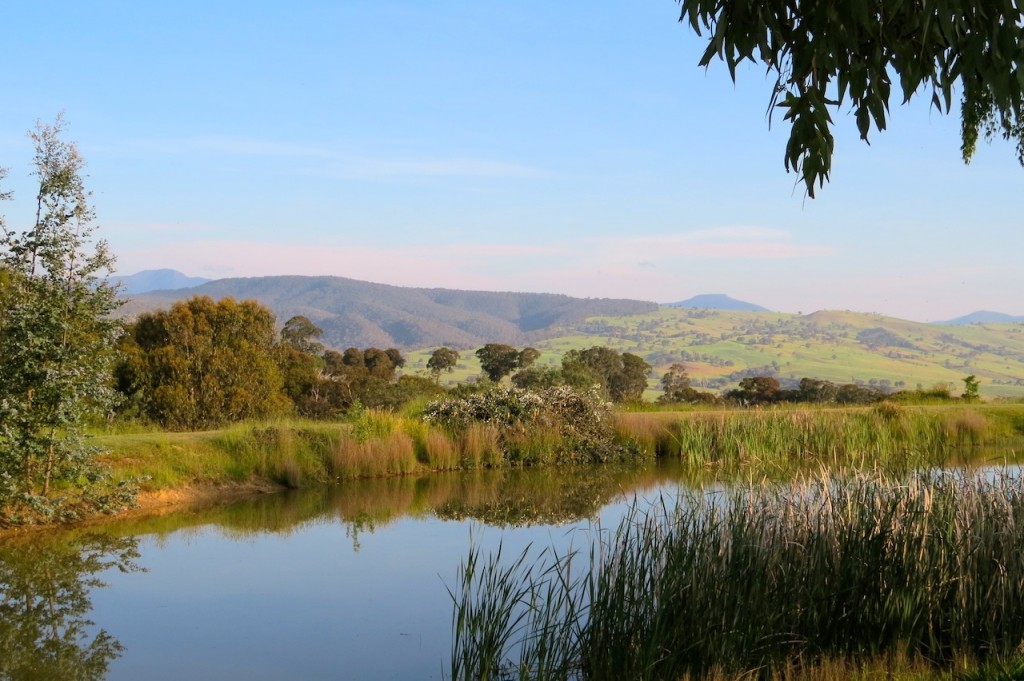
(560, 423)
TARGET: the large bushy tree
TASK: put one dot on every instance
(499, 360)
(442, 359)
(56, 340)
(203, 363)
(621, 375)
(826, 55)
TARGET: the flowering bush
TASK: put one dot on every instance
(579, 421)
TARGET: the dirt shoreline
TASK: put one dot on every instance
(197, 494)
(161, 502)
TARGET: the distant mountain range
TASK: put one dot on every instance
(362, 314)
(984, 317)
(718, 301)
(155, 280)
(719, 339)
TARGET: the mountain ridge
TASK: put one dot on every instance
(983, 317)
(155, 280)
(717, 301)
(362, 314)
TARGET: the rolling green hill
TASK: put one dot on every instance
(720, 347)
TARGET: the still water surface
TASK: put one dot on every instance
(341, 583)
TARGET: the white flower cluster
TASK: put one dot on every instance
(576, 413)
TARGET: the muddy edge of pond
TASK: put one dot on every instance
(162, 502)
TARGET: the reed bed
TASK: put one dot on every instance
(783, 440)
(768, 581)
(392, 454)
(479, 443)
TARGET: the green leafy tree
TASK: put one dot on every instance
(628, 384)
(57, 339)
(537, 378)
(300, 333)
(622, 376)
(827, 55)
(756, 390)
(498, 360)
(676, 384)
(817, 390)
(527, 356)
(203, 363)
(380, 363)
(442, 359)
(297, 356)
(971, 386)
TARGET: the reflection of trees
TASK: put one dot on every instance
(45, 585)
(548, 496)
(501, 496)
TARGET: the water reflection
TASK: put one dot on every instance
(503, 498)
(45, 602)
(345, 582)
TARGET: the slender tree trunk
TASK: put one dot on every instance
(51, 455)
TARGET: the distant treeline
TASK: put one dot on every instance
(203, 363)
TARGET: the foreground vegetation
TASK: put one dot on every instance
(767, 580)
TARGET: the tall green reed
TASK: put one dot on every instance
(759, 579)
(784, 440)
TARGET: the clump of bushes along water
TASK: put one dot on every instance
(551, 425)
(760, 580)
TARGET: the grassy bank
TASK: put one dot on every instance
(767, 581)
(718, 444)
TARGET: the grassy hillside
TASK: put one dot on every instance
(717, 347)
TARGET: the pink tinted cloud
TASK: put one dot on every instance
(757, 243)
(641, 266)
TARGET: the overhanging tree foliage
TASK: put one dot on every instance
(56, 341)
(827, 54)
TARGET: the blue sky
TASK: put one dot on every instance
(568, 147)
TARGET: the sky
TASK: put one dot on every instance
(563, 147)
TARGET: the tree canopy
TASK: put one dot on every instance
(498, 360)
(56, 340)
(827, 54)
(203, 363)
(442, 359)
(622, 376)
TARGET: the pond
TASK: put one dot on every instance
(347, 582)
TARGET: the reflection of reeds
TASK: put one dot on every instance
(768, 579)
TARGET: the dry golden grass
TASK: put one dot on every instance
(442, 455)
(393, 454)
(479, 446)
